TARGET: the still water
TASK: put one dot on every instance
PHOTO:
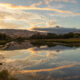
(27, 62)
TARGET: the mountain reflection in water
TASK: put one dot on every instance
(28, 62)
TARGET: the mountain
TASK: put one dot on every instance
(17, 33)
(57, 30)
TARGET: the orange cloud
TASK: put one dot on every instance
(47, 2)
(10, 25)
(36, 4)
(47, 70)
(32, 50)
(11, 6)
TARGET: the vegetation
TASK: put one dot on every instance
(4, 38)
(20, 39)
(50, 39)
(53, 42)
(55, 36)
(4, 75)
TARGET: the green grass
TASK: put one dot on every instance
(59, 40)
(54, 42)
(50, 42)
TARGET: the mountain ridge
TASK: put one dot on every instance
(57, 30)
(27, 33)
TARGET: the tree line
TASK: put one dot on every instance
(3, 36)
(55, 36)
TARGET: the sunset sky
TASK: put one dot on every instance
(30, 14)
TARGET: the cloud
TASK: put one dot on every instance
(66, 1)
(51, 69)
(36, 4)
(16, 16)
(47, 2)
(19, 7)
(55, 30)
(11, 18)
(9, 25)
(43, 24)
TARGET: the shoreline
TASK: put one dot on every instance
(43, 42)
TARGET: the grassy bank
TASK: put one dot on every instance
(54, 42)
(50, 42)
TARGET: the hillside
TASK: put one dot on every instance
(17, 33)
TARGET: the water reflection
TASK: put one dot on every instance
(28, 62)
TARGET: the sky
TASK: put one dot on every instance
(30, 14)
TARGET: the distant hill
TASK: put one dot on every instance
(14, 33)
(57, 30)
(17, 33)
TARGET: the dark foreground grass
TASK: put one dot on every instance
(4, 75)
(2, 42)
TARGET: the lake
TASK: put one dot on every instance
(28, 62)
